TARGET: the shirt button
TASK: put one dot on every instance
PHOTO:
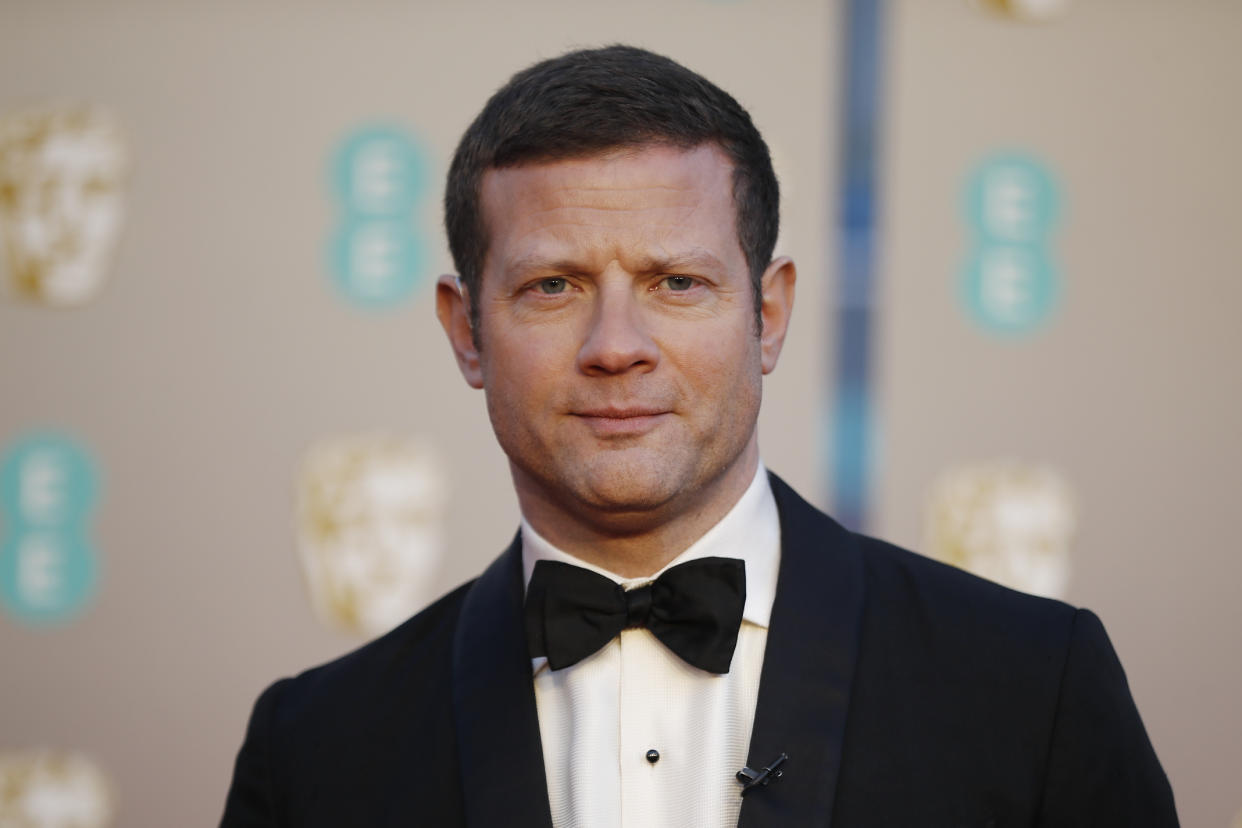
(653, 756)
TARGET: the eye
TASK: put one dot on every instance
(551, 286)
(678, 284)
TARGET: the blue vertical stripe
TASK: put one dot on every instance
(853, 421)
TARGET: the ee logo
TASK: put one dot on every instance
(379, 176)
(48, 565)
(1010, 285)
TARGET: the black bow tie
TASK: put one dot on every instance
(695, 608)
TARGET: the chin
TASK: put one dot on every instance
(633, 485)
(623, 500)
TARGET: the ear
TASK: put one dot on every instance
(778, 299)
(453, 311)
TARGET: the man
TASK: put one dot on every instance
(676, 638)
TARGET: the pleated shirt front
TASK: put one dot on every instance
(600, 718)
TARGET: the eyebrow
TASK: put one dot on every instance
(696, 258)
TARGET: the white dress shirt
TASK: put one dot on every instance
(599, 718)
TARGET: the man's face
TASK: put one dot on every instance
(617, 341)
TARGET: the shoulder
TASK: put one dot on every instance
(320, 743)
(1012, 675)
(909, 595)
(963, 685)
(414, 656)
(935, 600)
(944, 644)
(936, 625)
(923, 618)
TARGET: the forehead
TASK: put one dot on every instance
(638, 196)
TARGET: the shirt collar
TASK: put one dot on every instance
(750, 531)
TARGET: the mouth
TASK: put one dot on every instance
(622, 422)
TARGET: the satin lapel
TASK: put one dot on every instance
(808, 667)
(494, 704)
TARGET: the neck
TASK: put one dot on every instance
(639, 543)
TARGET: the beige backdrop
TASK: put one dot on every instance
(219, 351)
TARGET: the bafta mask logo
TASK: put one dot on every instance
(53, 789)
(61, 202)
(1007, 522)
(1029, 11)
(370, 530)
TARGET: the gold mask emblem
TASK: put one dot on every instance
(53, 789)
(1029, 11)
(370, 530)
(61, 202)
(1007, 522)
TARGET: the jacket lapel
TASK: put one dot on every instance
(808, 667)
(494, 704)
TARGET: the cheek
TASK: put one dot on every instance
(527, 365)
(518, 390)
(723, 364)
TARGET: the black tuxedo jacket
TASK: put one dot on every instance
(905, 693)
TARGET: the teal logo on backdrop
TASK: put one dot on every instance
(48, 491)
(1010, 284)
(376, 256)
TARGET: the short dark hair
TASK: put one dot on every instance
(590, 101)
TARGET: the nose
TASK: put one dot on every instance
(618, 340)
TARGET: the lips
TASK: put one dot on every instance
(621, 413)
(622, 421)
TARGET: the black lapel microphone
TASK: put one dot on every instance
(751, 778)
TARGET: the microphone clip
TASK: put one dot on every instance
(751, 778)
